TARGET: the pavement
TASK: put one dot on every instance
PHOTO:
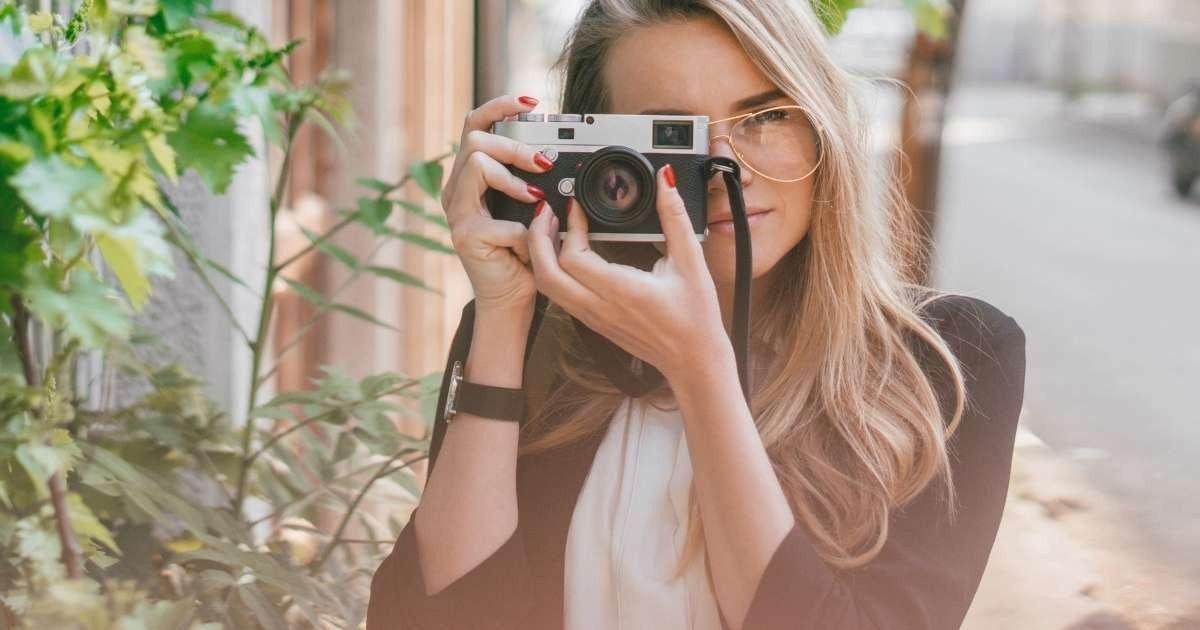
(1056, 565)
(1082, 244)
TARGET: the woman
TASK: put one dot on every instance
(863, 485)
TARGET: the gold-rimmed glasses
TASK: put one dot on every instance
(777, 142)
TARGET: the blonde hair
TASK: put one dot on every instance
(850, 420)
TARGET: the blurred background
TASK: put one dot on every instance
(1043, 157)
(1051, 146)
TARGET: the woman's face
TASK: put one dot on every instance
(698, 68)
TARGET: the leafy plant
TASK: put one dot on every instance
(169, 511)
(929, 16)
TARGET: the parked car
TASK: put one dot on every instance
(1181, 138)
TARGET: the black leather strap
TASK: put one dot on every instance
(486, 401)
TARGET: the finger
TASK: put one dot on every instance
(583, 263)
(483, 117)
(549, 277)
(501, 233)
(682, 243)
(485, 172)
(507, 151)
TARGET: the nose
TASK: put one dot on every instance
(719, 146)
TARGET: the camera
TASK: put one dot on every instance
(608, 162)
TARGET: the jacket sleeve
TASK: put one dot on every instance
(930, 567)
(492, 595)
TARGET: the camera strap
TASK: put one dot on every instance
(636, 378)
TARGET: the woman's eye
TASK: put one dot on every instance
(773, 116)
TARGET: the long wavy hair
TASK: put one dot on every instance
(847, 414)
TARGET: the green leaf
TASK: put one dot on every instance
(40, 22)
(87, 525)
(306, 292)
(58, 189)
(363, 315)
(86, 309)
(79, 22)
(210, 144)
(346, 445)
(134, 251)
(373, 213)
(931, 17)
(832, 13)
(329, 248)
(120, 254)
(428, 175)
(163, 155)
(255, 100)
(416, 209)
(41, 72)
(15, 238)
(401, 277)
(375, 184)
(422, 241)
(179, 13)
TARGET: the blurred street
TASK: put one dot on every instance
(1061, 215)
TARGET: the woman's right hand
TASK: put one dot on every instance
(493, 252)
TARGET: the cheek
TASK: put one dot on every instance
(787, 227)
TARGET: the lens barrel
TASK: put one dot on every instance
(615, 186)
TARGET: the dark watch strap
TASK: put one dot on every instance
(485, 401)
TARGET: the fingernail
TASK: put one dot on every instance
(542, 161)
(669, 174)
(541, 205)
(528, 100)
(535, 191)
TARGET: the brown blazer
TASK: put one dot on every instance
(924, 578)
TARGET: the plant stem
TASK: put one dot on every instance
(264, 315)
(71, 554)
(350, 509)
(320, 312)
(199, 269)
(317, 418)
(351, 217)
(325, 485)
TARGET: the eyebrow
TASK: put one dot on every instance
(749, 102)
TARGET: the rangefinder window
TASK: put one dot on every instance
(672, 134)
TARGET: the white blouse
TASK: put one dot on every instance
(628, 531)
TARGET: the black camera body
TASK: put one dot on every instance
(608, 162)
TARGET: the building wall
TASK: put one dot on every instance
(1149, 45)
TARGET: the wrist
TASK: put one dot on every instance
(716, 365)
(497, 354)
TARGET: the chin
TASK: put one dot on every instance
(721, 262)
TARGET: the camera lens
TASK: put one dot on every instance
(615, 186)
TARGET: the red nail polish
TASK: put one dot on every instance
(669, 174)
(535, 191)
(542, 161)
(541, 205)
(528, 100)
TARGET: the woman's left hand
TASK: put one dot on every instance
(669, 317)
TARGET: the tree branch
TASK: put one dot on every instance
(72, 556)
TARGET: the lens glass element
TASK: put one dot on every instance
(616, 188)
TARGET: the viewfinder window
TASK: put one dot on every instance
(672, 134)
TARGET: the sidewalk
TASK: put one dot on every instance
(1062, 562)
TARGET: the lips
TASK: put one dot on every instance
(728, 217)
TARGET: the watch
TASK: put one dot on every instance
(485, 401)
